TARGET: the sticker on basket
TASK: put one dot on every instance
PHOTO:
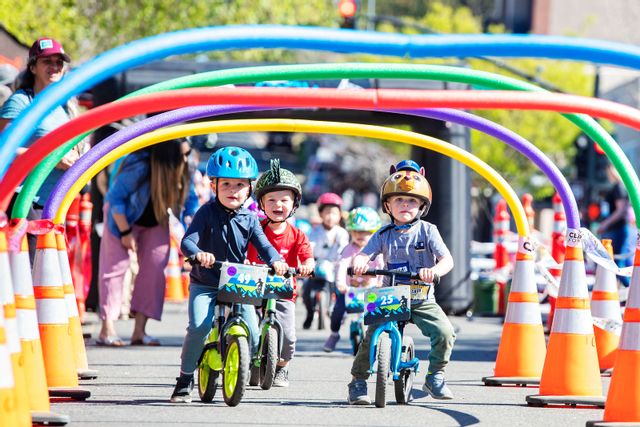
(387, 304)
(278, 287)
(242, 283)
(354, 299)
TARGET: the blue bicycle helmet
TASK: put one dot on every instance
(232, 162)
(406, 165)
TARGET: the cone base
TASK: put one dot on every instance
(541, 400)
(606, 372)
(611, 424)
(517, 381)
(49, 418)
(87, 374)
(75, 393)
(521, 352)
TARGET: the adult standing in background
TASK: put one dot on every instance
(147, 183)
(47, 64)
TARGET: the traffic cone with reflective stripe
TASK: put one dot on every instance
(527, 204)
(8, 400)
(30, 336)
(501, 222)
(522, 346)
(12, 337)
(53, 321)
(623, 398)
(186, 281)
(75, 328)
(557, 249)
(173, 274)
(571, 374)
(607, 316)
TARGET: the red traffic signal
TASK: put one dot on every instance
(347, 8)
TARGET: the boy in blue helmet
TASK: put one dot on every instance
(221, 230)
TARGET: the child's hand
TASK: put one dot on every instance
(427, 275)
(341, 287)
(280, 267)
(360, 264)
(305, 270)
(206, 259)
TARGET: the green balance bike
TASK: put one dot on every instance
(226, 351)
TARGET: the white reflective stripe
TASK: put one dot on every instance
(6, 285)
(52, 311)
(65, 270)
(13, 338)
(630, 337)
(524, 277)
(633, 299)
(46, 268)
(6, 379)
(21, 273)
(27, 324)
(605, 280)
(173, 271)
(607, 309)
(524, 313)
(72, 307)
(573, 282)
(572, 321)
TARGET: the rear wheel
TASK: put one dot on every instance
(269, 359)
(236, 370)
(207, 381)
(382, 375)
(404, 384)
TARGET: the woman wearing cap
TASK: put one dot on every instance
(47, 64)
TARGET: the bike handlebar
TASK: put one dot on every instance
(393, 274)
(291, 271)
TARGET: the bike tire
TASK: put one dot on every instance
(207, 382)
(404, 384)
(269, 360)
(382, 374)
(235, 372)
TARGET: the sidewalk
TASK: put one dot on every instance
(135, 383)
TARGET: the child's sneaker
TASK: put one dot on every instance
(282, 377)
(358, 394)
(435, 386)
(182, 391)
(331, 342)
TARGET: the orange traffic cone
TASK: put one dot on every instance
(522, 347)
(186, 281)
(30, 336)
(527, 204)
(607, 317)
(173, 292)
(8, 400)
(623, 399)
(53, 321)
(501, 254)
(12, 337)
(557, 249)
(75, 328)
(571, 374)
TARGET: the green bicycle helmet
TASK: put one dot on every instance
(363, 219)
(276, 179)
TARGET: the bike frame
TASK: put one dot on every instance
(395, 334)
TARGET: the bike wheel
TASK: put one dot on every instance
(235, 372)
(207, 381)
(269, 359)
(382, 375)
(404, 384)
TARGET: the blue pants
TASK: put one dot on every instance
(202, 301)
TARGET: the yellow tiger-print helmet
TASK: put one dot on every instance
(408, 183)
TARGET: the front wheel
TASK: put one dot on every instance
(382, 377)
(404, 384)
(207, 381)
(269, 359)
(236, 369)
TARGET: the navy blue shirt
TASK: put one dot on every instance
(225, 234)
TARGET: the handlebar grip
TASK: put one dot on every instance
(389, 273)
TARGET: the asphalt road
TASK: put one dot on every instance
(135, 383)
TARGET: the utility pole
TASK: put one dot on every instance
(371, 14)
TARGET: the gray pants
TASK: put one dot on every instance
(286, 315)
(432, 322)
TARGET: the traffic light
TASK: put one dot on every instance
(347, 10)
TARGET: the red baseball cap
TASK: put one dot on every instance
(46, 46)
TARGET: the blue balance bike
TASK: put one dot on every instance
(388, 310)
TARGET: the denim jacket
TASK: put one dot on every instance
(131, 189)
